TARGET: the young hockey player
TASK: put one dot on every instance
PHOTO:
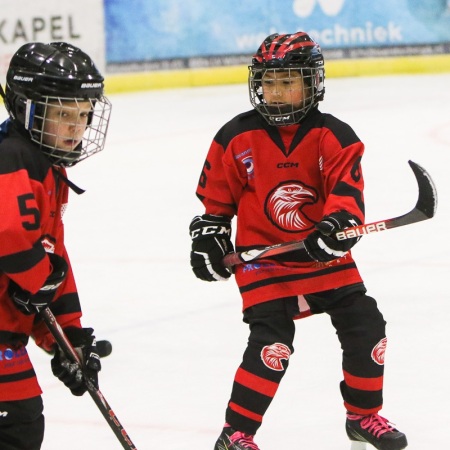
(58, 116)
(290, 172)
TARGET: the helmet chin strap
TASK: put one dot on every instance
(69, 183)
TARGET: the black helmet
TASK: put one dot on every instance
(57, 74)
(298, 55)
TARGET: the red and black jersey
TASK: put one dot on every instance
(280, 181)
(32, 201)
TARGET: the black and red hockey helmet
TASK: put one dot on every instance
(287, 52)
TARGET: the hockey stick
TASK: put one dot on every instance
(71, 354)
(425, 209)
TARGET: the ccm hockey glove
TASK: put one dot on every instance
(71, 374)
(32, 303)
(211, 241)
(322, 246)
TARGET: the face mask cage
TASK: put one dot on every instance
(283, 96)
(68, 130)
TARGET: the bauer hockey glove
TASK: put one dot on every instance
(211, 241)
(70, 373)
(29, 303)
(322, 246)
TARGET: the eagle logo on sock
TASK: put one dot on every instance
(378, 352)
(272, 355)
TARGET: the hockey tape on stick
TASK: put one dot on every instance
(425, 209)
(67, 348)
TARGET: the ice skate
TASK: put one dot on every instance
(375, 430)
(234, 440)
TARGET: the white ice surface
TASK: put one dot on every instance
(178, 341)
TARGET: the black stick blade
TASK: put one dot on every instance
(427, 201)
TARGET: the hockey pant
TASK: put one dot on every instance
(21, 424)
(360, 328)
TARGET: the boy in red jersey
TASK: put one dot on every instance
(58, 117)
(289, 172)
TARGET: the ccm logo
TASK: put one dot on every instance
(286, 165)
(280, 119)
(363, 229)
(211, 229)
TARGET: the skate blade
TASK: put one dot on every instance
(356, 445)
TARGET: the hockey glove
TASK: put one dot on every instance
(322, 246)
(29, 303)
(211, 241)
(70, 373)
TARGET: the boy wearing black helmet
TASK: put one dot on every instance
(58, 117)
(289, 172)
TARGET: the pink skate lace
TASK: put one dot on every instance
(373, 423)
(245, 440)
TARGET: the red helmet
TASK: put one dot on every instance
(298, 53)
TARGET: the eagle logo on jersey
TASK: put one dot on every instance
(378, 352)
(284, 206)
(272, 355)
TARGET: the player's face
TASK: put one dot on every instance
(65, 124)
(284, 88)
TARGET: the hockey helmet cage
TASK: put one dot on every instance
(294, 54)
(43, 75)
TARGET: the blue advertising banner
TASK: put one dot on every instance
(139, 31)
